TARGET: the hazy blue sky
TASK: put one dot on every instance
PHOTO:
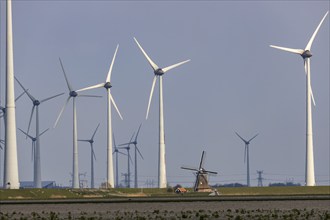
(234, 82)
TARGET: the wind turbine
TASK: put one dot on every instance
(117, 152)
(306, 55)
(201, 182)
(135, 156)
(159, 72)
(72, 94)
(129, 159)
(107, 85)
(11, 179)
(36, 103)
(35, 157)
(91, 141)
(246, 156)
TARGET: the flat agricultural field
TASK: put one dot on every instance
(232, 203)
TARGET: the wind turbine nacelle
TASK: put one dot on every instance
(159, 72)
(107, 85)
(36, 102)
(73, 93)
(306, 54)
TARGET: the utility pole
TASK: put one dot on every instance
(260, 177)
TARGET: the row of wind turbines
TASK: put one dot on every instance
(11, 179)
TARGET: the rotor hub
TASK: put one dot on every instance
(306, 54)
(36, 102)
(73, 94)
(107, 85)
(159, 72)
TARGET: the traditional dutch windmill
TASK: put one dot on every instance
(201, 182)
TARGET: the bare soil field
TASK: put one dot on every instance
(294, 209)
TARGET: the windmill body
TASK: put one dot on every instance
(306, 55)
(158, 73)
(91, 142)
(129, 159)
(107, 85)
(247, 157)
(37, 160)
(72, 94)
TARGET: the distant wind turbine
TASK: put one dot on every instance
(34, 157)
(91, 141)
(116, 151)
(135, 156)
(72, 94)
(107, 85)
(159, 72)
(129, 159)
(246, 156)
(36, 103)
(306, 55)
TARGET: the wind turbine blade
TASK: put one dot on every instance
(43, 132)
(95, 131)
(151, 93)
(91, 87)
(312, 95)
(59, 116)
(137, 134)
(26, 134)
(114, 104)
(152, 64)
(122, 153)
(291, 50)
(66, 79)
(28, 129)
(114, 141)
(112, 62)
(253, 137)
(83, 140)
(46, 99)
(125, 144)
(139, 152)
(30, 96)
(173, 66)
(310, 42)
(90, 96)
(93, 153)
(130, 158)
(241, 137)
(18, 97)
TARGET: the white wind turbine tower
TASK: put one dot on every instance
(36, 160)
(91, 141)
(117, 152)
(107, 85)
(306, 54)
(36, 103)
(159, 72)
(11, 179)
(136, 149)
(246, 156)
(73, 94)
